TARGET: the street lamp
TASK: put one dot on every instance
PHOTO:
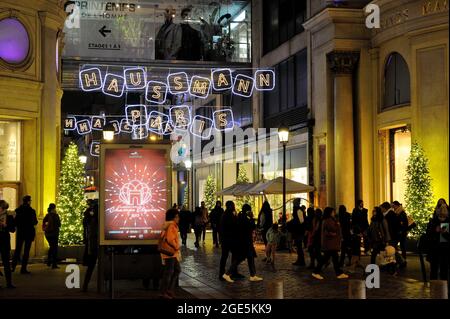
(283, 136)
(108, 132)
(188, 164)
(83, 158)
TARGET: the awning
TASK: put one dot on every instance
(275, 186)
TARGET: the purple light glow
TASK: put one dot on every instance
(14, 41)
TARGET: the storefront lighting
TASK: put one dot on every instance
(283, 135)
(188, 164)
(83, 158)
(108, 132)
(152, 137)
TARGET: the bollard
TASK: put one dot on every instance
(274, 290)
(356, 289)
(438, 289)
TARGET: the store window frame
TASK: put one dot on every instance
(396, 82)
(28, 60)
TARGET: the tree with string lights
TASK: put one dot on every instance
(242, 178)
(71, 201)
(419, 194)
(209, 194)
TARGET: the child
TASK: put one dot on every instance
(273, 239)
(389, 262)
(355, 245)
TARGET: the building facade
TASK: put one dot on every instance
(30, 95)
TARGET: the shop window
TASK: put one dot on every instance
(396, 81)
(9, 151)
(14, 42)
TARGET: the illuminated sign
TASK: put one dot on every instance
(180, 116)
(113, 85)
(140, 132)
(221, 79)
(91, 79)
(97, 123)
(136, 114)
(200, 87)
(157, 122)
(125, 127)
(135, 78)
(70, 123)
(178, 83)
(83, 127)
(243, 85)
(95, 148)
(264, 80)
(116, 126)
(156, 92)
(223, 120)
(202, 126)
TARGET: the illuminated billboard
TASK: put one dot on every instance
(135, 186)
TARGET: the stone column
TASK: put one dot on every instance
(342, 64)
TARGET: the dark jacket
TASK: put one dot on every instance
(265, 219)
(215, 216)
(185, 220)
(244, 235)
(403, 220)
(228, 227)
(53, 226)
(331, 235)
(359, 218)
(378, 234)
(5, 238)
(355, 244)
(345, 223)
(25, 222)
(393, 221)
(90, 223)
(433, 236)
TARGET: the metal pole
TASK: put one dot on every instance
(284, 184)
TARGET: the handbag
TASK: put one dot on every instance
(164, 247)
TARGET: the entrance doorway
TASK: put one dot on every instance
(399, 151)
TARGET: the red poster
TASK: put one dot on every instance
(135, 193)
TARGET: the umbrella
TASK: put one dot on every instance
(235, 189)
(275, 186)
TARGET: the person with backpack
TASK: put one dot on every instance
(296, 228)
(6, 226)
(378, 234)
(51, 225)
(169, 248)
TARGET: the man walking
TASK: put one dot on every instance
(25, 222)
(360, 219)
(214, 217)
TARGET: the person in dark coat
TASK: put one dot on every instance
(86, 215)
(297, 231)
(228, 228)
(245, 249)
(394, 226)
(90, 223)
(214, 218)
(360, 218)
(346, 225)
(198, 225)
(314, 238)
(25, 222)
(51, 225)
(185, 223)
(378, 234)
(169, 37)
(331, 244)
(6, 226)
(265, 220)
(403, 227)
(438, 237)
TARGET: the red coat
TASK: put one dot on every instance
(331, 235)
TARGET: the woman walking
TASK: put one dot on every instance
(438, 242)
(198, 225)
(314, 238)
(331, 244)
(51, 226)
(265, 220)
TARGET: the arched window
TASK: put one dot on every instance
(396, 81)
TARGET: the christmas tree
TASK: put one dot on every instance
(71, 201)
(209, 195)
(418, 196)
(242, 178)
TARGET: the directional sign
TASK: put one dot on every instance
(103, 31)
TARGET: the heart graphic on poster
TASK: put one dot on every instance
(135, 193)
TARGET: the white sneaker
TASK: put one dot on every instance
(342, 276)
(255, 278)
(317, 276)
(227, 278)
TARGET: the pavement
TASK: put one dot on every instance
(199, 279)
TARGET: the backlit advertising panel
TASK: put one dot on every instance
(134, 192)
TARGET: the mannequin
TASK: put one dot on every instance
(168, 39)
